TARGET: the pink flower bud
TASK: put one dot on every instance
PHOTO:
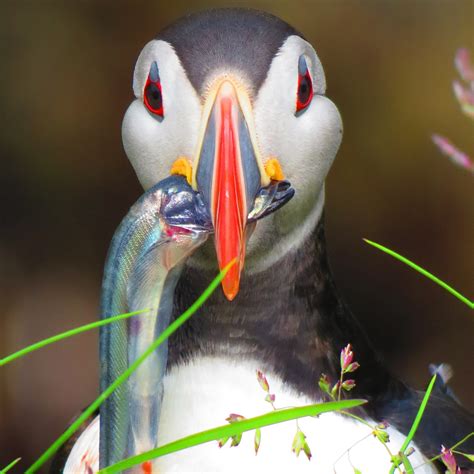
(300, 444)
(465, 98)
(346, 357)
(409, 451)
(352, 367)
(449, 460)
(348, 384)
(270, 398)
(257, 439)
(457, 156)
(334, 390)
(223, 441)
(236, 439)
(324, 383)
(463, 64)
(262, 380)
(307, 451)
(233, 417)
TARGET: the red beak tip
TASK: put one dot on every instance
(230, 286)
(230, 296)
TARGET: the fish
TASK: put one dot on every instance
(148, 251)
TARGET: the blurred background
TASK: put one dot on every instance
(65, 184)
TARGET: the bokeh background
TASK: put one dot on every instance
(65, 184)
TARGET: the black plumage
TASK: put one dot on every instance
(236, 39)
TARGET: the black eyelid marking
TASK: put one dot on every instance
(302, 66)
(154, 72)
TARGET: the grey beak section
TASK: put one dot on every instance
(205, 171)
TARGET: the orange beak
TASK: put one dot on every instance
(229, 176)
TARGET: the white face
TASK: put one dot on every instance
(305, 144)
(151, 144)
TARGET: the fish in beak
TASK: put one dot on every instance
(229, 172)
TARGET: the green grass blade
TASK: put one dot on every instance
(419, 415)
(466, 455)
(452, 448)
(424, 272)
(12, 464)
(233, 429)
(406, 464)
(417, 420)
(126, 374)
(66, 334)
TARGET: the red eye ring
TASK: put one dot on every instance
(152, 93)
(304, 93)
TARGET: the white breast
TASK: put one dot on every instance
(201, 395)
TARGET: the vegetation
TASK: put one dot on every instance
(237, 423)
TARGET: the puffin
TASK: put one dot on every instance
(230, 101)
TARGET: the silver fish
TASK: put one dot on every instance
(145, 260)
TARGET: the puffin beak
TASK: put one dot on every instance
(229, 172)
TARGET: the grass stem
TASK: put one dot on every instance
(89, 411)
(12, 464)
(424, 272)
(416, 422)
(233, 429)
(66, 334)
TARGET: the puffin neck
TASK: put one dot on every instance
(289, 318)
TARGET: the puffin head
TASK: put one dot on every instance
(233, 99)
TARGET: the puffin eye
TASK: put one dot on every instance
(304, 94)
(152, 96)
